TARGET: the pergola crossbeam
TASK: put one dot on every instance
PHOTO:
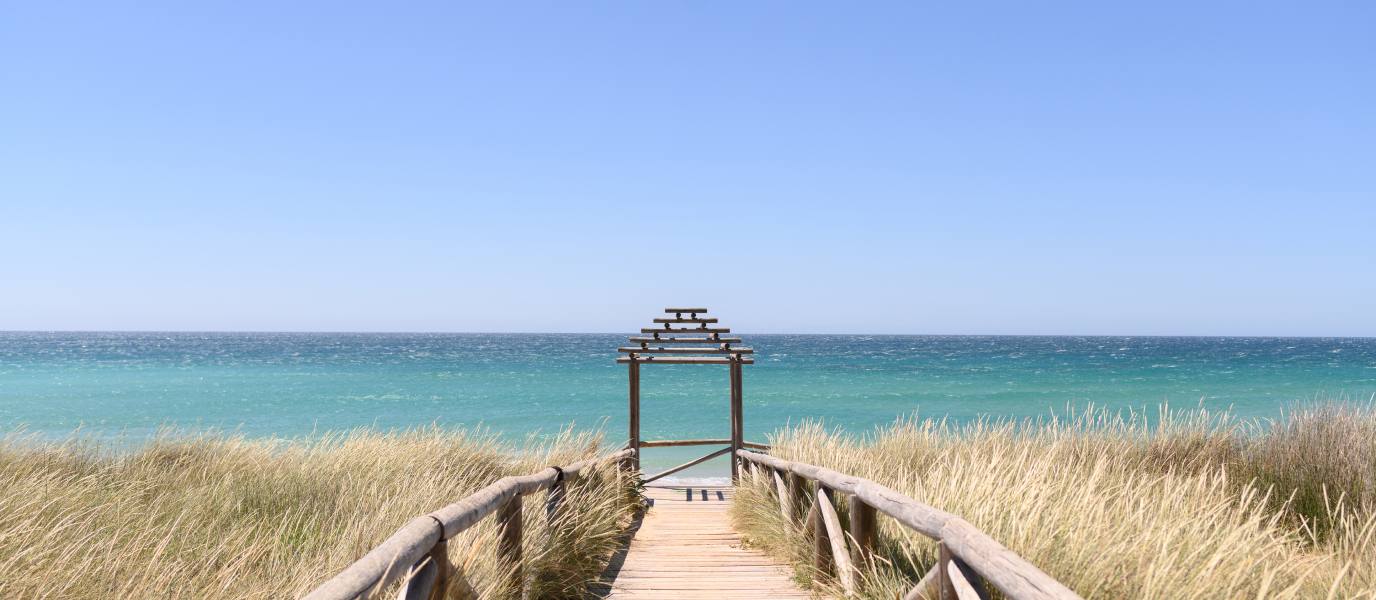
(685, 340)
(686, 360)
(661, 350)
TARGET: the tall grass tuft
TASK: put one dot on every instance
(210, 515)
(1185, 505)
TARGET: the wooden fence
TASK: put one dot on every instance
(419, 551)
(967, 558)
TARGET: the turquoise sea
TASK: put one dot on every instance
(288, 384)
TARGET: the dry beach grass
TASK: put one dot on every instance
(1190, 505)
(207, 515)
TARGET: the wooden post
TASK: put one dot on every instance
(440, 554)
(945, 589)
(635, 415)
(737, 425)
(862, 528)
(797, 491)
(821, 544)
(555, 504)
(510, 546)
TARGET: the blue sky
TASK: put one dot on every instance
(1167, 168)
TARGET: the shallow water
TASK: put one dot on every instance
(288, 384)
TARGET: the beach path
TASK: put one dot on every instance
(685, 549)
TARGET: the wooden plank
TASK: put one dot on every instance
(421, 582)
(685, 360)
(646, 557)
(681, 320)
(673, 443)
(785, 503)
(845, 571)
(653, 350)
(685, 340)
(688, 583)
(685, 310)
(710, 569)
(667, 329)
(967, 583)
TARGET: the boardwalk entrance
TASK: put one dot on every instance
(685, 548)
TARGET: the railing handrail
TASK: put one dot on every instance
(1010, 573)
(389, 561)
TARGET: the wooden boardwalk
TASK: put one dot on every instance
(685, 549)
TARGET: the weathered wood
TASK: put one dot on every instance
(685, 310)
(862, 531)
(554, 502)
(1001, 567)
(509, 547)
(685, 360)
(639, 350)
(687, 464)
(420, 581)
(673, 443)
(797, 492)
(785, 505)
(821, 544)
(671, 330)
(756, 446)
(444, 571)
(945, 589)
(684, 340)
(845, 571)
(737, 423)
(967, 584)
(682, 320)
(634, 371)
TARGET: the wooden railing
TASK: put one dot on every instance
(967, 558)
(419, 551)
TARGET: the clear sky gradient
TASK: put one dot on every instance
(1167, 168)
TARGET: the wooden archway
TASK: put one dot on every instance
(719, 352)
